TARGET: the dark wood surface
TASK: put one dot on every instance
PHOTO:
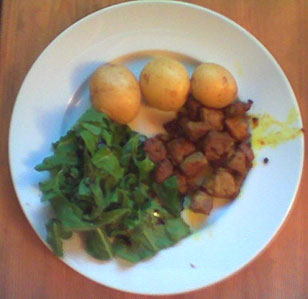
(29, 270)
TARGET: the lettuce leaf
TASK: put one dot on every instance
(100, 185)
(169, 195)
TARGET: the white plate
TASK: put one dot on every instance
(55, 93)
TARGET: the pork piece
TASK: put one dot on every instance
(238, 163)
(218, 145)
(192, 108)
(196, 181)
(182, 122)
(224, 184)
(208, 184)
(193, 164)
(172, 128)
(194, 130)
(202, 202)
(179, 149)
(163, 170)
(163, 137)
(238, 108)
(155, 149)
(238, 127)
(182, 182)
(213, 118)
(239, 179)
(246, 149)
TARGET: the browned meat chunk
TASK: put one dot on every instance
(194, 163)
(218, 145)
(246, 149)
(239, 179)
(182, 122)
(238, 108)
(163, 170)
(224, 185)
(179, 149)
(192, 109)
(238, 163)
(172, 128)
(196, 129)
(208, 184)
(238, 127)
(182, 182)
(155, 149)
(163, 137)
(213, 118)
(202, 202)
(195, 181)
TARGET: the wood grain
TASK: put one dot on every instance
(29, 270)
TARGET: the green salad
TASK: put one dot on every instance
(101, 186)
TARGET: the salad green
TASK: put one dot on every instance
(101, 186)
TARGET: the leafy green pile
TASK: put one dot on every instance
(101, 185)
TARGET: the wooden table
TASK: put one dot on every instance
(29, 270)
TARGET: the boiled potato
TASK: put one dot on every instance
(165, 83)
(213, 85)
(115, 91)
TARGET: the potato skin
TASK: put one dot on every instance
(115, 91)
(213, 85)
(165, 83)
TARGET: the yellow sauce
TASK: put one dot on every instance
(271, 132)
(194, 220)
(198, 220)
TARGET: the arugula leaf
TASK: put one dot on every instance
(98, 245)
(92, 128)
(133, 252)
(148, 239)
(168, 193)
(84, 187)
(120, 133)
(64, 154)
(125, 198)
(140, 193)
(100, 202)
(129, 181)
(153, 237)
(107, 136)
(132, 221)
(100, 184)
(70, 215)
(145, 168)
(93, 116)
(51, 187)
(177, 229)
(107, 161)
(90, 140)
(55, 234)
(130, 146)
(112, 217)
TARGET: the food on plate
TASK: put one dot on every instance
(101, 185)
(115, 91)
(207, 149)
(213, 85)
(126, 192)
(165, 83)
